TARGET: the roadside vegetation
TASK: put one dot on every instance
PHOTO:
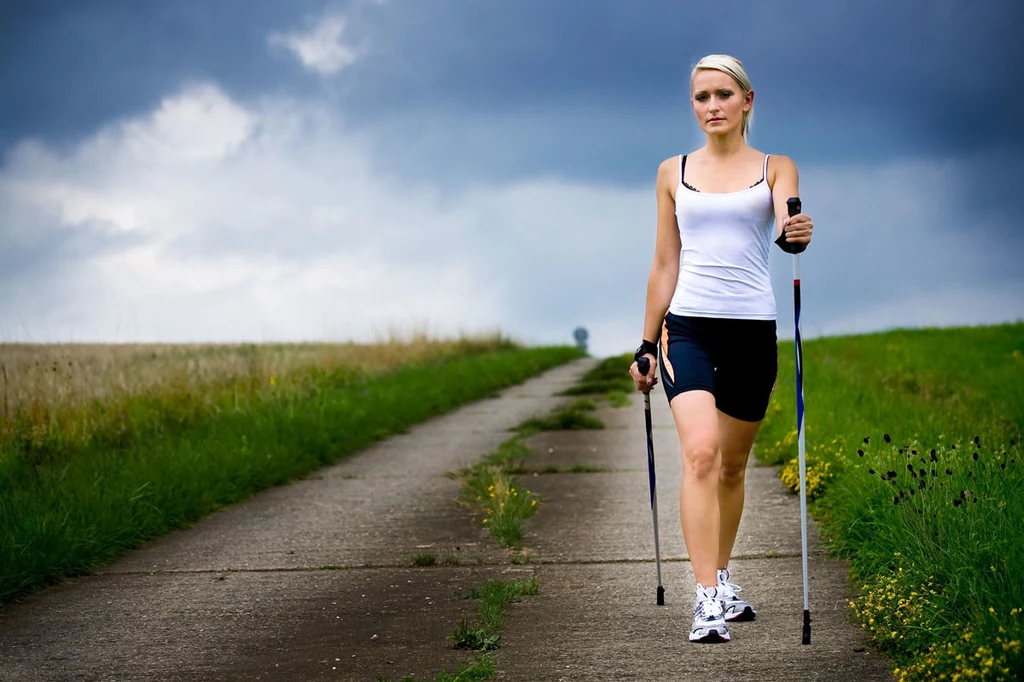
(98, 457)
(915, 471)
(56, 397)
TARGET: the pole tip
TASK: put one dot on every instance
(807, 627)
(661, 595)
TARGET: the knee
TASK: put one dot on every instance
(732, 474)
(700, 462)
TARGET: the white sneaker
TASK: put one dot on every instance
(734, 608)
(708, 624)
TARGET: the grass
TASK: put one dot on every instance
(67, 507)
(490, 487)
(423, 559)
(914, 453)
(466, 636)
(495, 595)
(573, 416)
(483, 635)
(610, 375)
(617, 398)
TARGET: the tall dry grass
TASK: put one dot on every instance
(56, 395)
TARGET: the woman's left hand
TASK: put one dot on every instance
(798, 229)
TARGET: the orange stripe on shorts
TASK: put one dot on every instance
(664, 352)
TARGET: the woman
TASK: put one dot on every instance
(711, 313)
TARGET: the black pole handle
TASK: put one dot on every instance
(794, 207)
(643, 365)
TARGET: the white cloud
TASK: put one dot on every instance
(320, 49)
(279, 229)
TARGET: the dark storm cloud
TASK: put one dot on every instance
(862, 81)
(867, 80)
(66, 68)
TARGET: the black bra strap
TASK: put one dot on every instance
(682, 170)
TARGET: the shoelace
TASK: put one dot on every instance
(728, 589)
(710, 609)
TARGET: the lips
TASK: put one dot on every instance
(715, 120)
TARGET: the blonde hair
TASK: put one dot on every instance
(733, 68)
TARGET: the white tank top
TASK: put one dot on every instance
(723, 262)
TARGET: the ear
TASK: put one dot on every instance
(748, 101)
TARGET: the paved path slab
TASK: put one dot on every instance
(600, 622)
(347, 625)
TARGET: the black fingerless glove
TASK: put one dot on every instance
(787, 246)
(645, 348)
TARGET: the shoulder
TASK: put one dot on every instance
(668, 173)
(780, 161)
(668, 165)
(780, 166)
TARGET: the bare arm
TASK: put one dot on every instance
(785, 183)
(661, 282)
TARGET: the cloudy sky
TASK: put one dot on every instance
(222, 170)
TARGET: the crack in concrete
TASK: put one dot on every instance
(483, 564)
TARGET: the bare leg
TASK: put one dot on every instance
(735, 438)
(697, 421)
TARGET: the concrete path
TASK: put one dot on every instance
(312, 581)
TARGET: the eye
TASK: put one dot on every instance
(725, 94)
(701, 97)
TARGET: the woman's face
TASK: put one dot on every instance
(718, 102)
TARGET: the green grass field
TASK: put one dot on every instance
(175, 453)
(913, 441)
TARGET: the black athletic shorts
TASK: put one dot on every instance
(735, 360)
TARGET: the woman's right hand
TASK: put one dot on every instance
(645, 383)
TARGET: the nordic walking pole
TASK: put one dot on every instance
(794, 207)
(643, 365)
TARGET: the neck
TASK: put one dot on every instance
(724, 146)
